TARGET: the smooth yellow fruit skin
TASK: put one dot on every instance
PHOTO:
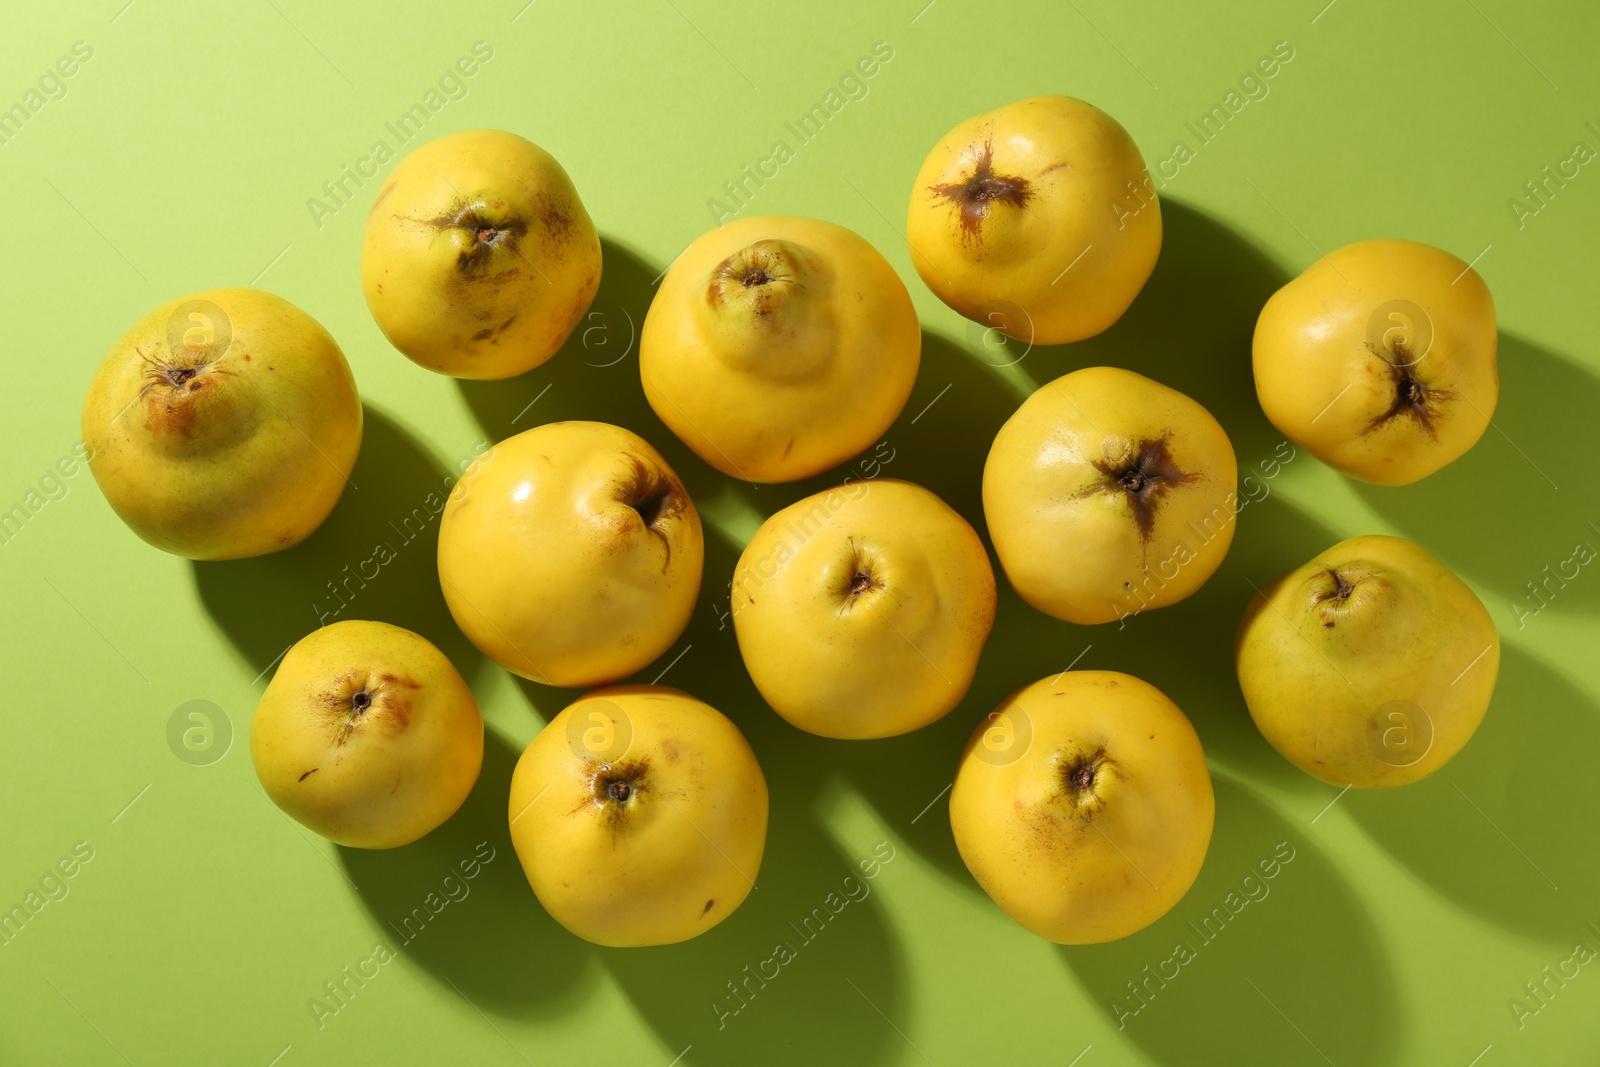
(1083, 866)
(1071, 542)
(891, 658)
(1325, 359)
(1037, 219)
(790, 376)
(550, 569)
(461, 305)
(1381, 688)
(673, 859)
(246, 456)
(374, 778)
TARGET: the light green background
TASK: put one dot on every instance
(182, 158)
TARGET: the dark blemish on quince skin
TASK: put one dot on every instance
(1412, 399)
(349, 711)
(1144, 480)
(975, 196)
(1070, 811)
(557, 222)
(165, 417)
(169, 389)
(1080, 775)
(487, 232)
(614, 788)
(758, 279)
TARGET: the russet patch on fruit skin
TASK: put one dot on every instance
(974, 197)
(1413, 398)
(493, 331)
(1044, 827)
(757, 279)
(355, 699)
(1145, 476)
(166, 415)
(613, 786)
(860, 577)
(617, 791)
(1079, 774)
(1083, 777)
(556, 222)
(491, 226)
(168, 395)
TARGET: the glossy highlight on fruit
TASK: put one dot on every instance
(571, 554)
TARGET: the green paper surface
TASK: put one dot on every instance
(196, 146)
